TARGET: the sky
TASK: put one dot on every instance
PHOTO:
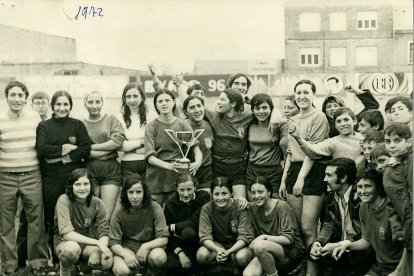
(170, 34)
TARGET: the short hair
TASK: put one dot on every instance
(262, 181)
(73, 177)
(129, 181)
(58, 94)
(87, 94)
(193, 87)
(399, 129)
(40, 95)
(222, 181)
(376, 136)
(376, 178)
(333, 78)
(374, 118)
(185, 177)
(313, 87)
(235, 97)
(233, 77)
(13, 84)
(344, 110)
(259, 99)
(159, 93)
(292, 99)
(378, 151)
(404, 100)
(188, 99)
(344, 167)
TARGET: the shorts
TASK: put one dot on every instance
(273, 173)
(136, 167)
(236, 173)
(381, 269)
(314, 182)
(204, 177)
(104, 172)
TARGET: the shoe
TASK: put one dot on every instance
(53, 270)
(39, 271)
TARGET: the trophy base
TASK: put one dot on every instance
(183, 164)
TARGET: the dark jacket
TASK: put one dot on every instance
(332, 226)
(398, 185)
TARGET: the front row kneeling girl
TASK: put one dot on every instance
(138, 245)
(81, 227)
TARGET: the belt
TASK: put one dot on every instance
(20, 173)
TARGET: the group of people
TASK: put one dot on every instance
(108, 192)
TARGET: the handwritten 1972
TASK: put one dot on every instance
(85, 11)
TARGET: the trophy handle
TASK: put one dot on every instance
(197, 133)
(171, 133)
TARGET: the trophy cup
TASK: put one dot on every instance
(184, 138)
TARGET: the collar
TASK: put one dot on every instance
(347, 195)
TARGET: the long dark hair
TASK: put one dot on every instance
(142, 109)
(74, 176)
(129, 181)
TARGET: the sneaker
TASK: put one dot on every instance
(53, 270)
(39, 271)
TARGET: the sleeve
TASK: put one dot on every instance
(160, 224)
(368, 100)
(192, 222)
(205, 230)
(83, 142)
(326, 229)
(63, 215)
(149, 141)
(363, 218)
(43, 148)
(117, 133)
(101, 223)
(324, 148)
(319, 130)
(245, 229)
(286, 222)
(115, 231)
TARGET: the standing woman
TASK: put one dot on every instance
(303, 178)
(230, 126)
(290, 109)
(62, 145)
(133, 118)
(161, 151)
(194, 109)
(277, 246)
(225, 231)
(107, 136)
(265, 155)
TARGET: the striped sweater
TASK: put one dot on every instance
(17, 142)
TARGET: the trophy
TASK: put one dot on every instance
(184, 138)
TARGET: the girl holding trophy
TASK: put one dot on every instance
(163, 152)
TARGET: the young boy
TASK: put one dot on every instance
(380, 158)
(372, 138)
(371, 120)
(398, 185)
(399, 109)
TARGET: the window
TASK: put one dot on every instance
(366, 56)
(309, 22)
(410, 52)
(337, 21)
(367, 20)
(309, 57)
(337, 56)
